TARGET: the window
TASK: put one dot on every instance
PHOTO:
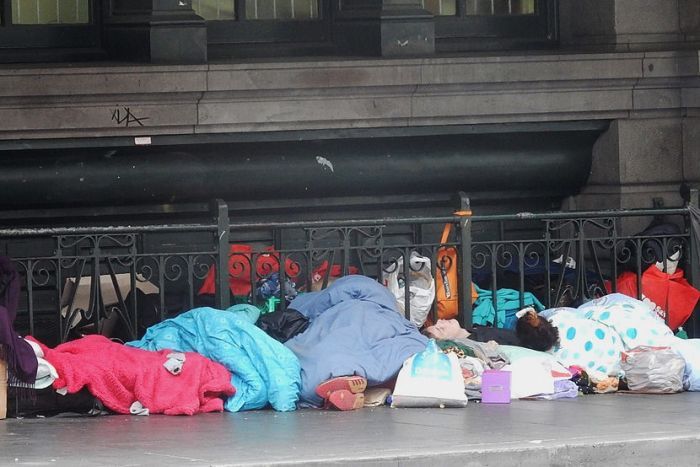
(212, 10)
(492, 24)
(50, 12)
(280, 10)
(235, 27)
(480, 7)
(44, 24)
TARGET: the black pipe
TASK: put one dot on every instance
(556, 162)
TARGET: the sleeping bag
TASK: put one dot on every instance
(354, 329)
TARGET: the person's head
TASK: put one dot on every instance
(535, 332)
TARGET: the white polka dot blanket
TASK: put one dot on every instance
(593, 335)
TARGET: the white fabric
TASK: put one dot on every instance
(530, 376)
(690, 351)
(46, 374)
(37, 350)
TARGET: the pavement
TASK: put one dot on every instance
(607, 430)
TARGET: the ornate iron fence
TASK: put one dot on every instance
(118, 280)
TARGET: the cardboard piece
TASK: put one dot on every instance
(3, 389)
(109, 293)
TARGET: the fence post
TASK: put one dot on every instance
(694, 201)
(695, 259)
(465, 244)
(220, 211)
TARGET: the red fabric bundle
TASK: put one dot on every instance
(671, 293)
(119, 376)
(239, 261)
(320, 272)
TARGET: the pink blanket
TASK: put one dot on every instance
(120, 375)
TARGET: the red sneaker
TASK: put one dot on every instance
(343, 399)
(353, 384)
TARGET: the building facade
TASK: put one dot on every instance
(525, 104)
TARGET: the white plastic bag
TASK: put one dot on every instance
(421, 289)
(430, 379)
(653, 369)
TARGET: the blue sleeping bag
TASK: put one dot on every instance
(263, 370)
(354, 329)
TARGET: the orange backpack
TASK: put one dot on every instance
(447, 280)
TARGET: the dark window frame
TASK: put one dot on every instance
(242, 36)
(502, 32)
(53, 36)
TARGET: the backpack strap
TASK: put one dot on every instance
(446, 233)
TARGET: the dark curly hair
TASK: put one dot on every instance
(536, 333)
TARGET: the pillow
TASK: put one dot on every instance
(515, 353)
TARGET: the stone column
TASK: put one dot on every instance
(690, 19)
(158, 31)
(691, 150)
(637, 163)
(625, 24)
(387, 28)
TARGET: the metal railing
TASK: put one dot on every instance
(120, 279)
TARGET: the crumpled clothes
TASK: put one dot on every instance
(446, 329)
(269, 286)
(488, 352)
(563, 389)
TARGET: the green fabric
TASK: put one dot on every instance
(515, 353)
(444, 344)
(507, 302)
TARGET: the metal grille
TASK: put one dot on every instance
(80, 279)
(50, 12)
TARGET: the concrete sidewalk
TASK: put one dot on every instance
(612, 429)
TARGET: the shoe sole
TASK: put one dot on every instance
(353, 384)
(345, 400)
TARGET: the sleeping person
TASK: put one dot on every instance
(594, 335)
(355, 338)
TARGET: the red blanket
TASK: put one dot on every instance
(119, 376)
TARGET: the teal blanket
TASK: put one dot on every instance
(507, 303)
(263, 370)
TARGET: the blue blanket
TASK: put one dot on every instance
(354, 329)
(263, 370)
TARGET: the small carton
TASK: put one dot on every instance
(495, 387)
(3, 389)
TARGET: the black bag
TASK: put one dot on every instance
(283, 325)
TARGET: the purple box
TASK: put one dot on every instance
(495, 387)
